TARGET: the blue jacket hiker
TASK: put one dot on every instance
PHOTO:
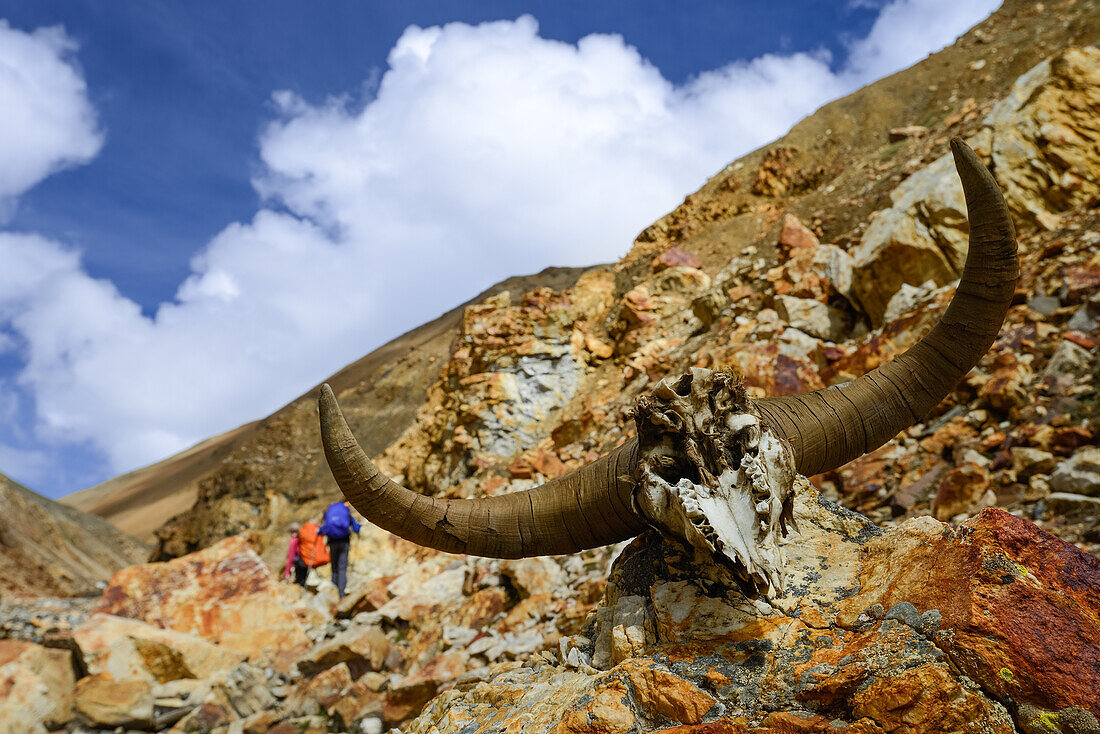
(338, 526)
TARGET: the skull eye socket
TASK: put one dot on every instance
(682, 386)
(734, 452)
(673, 468)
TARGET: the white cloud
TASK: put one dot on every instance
(46, 120)
(487, 151)
(908, 30)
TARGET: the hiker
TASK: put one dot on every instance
(337, 527)
(307, 550)
(294, 558)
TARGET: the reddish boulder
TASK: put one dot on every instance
(673, 257)
(407, 697)
(36, 685)
(794, 235)
(317, 694)
(1019, 607)
(224, 593)
(960, 491)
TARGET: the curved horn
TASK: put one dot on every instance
(830, 427)
(587, 508)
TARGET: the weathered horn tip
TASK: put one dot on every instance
(964, 155)
(327, 408)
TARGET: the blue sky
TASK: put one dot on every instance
(209, 207)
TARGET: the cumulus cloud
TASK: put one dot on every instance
(486, 151)
(908, 30)
(46, 120)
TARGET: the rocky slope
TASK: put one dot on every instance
(47, 548)
(991, 626)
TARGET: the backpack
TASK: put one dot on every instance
(311, 545)
(337, 521)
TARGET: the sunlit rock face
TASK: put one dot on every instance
(711, 474)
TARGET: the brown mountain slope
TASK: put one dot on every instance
(394, 379)
(49, 549)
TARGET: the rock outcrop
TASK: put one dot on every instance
(224, 593)
(922, 628)
(1043, 144)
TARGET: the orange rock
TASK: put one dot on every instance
(1020, 607)
(1066, 439)
(224, 593)
(598, 347)
(1007, 388)
(549, 465)
(605, 713)
(959, 491)
(862, 479)
(992, 441)
(674, 256)
(785, 722)
(482, 608)
(101, 701)
(208, 717)
(358, 702)
(721, 726)
(366, 597)
(361, 649)
(928, 699)
(317, 694)
(738, 292)
(521, 468)
(36, 685)
(128, 648)
(660, 692)
(534, 576)
(947, 435)
(637, 305)
(407, 697)
(794, 235)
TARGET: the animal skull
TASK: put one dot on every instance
(712, 474)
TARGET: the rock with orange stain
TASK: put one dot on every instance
(767, 367)
(130, 649)
(930, 699)
(1018, 608)
(224, 593)
(661, 693)
(675, 256)
(36, 686)
(920, 628)
(1008, 387)
(794, 235)
(410, 694)
(316, 694)
(960, 491)
(607, 712)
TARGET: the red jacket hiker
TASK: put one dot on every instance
(294, 558)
